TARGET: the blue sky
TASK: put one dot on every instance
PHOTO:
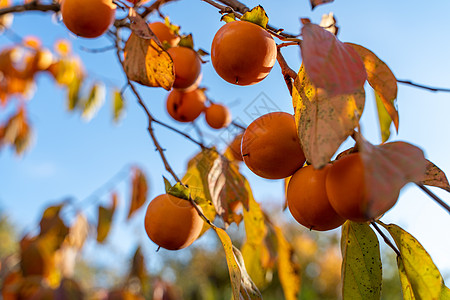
(72, 158)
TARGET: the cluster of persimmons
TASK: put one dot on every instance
(320, 199)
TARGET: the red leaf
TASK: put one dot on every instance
(331, 64)
(388, 168)
(315, 3)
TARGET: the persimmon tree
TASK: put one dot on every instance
(354, 187)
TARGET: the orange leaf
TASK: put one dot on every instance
(315, 3)
(381, 79)
(138, 192)
(331, 64)
(105, 216)
(435, 177)
(323, 122)
(146, 62)
(387, 169)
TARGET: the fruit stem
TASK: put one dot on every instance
(200, 213)
(288, 74)
(434, 197)
(385, 238)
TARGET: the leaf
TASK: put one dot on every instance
(94, 101)
(254, 249)
(407, 291)
(241, 284)
(445, 293)
(383, 119)
(139, 190)
(167, 185)
(257, 16)
(138, 266)
(329, 63)
(68, 289)
(287, 270)
(148, 63)
(381, 79)
(78, 232)
(328, 22)
(387, 168)
(186, 41)
(435, 177)
(323, 122)
(52, 227)
(17, 132)
(118, 106)
(315, 3)
(424, 277)
(227, 18)
(105, 215)
(361, 265)
(217, 180)
(73, 93)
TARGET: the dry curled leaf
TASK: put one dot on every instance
(435, 177)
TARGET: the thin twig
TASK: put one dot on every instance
(200, 213)
(434, 197)
(154, 6)
(288, 74)
(385, 238)
(421, 86)
(98, 50)
(180, 133)
(147, 112)
(31, 6)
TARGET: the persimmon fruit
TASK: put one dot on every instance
(187, 66)
(243, 53)
(172, 223)
(271, 147)
(88, 18)
(185, 106)
(348, 192)
(164, 33)
(217, 116)
(308, 201)
(235, 148)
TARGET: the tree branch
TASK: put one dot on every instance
(425, 87)
(434, 197)
(31, 6)
(385, 238)
(288, 74)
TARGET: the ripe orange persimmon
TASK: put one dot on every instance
(347, 191)
(185, 106)
(172, 223)
(243, 53)
(164, 33)
(271, 147)
(308, 201)
(187, 66)
(217, 116)
(235, 147)
(88, 18)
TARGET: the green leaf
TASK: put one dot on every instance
(257, 16)
(424, 277)
(180, 191)
(287, 270)
(73, 92)
(118, 105)
(94, 101)
(230, 17)
(361, 263)
(186, 41)
(167, 184)
(383, 118)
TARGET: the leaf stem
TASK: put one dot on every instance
(434, 197)
(385, 238)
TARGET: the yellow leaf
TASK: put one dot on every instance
(94, 101)
(423, 275)
(73, 92)
(407, 291)
(361, 264)
(287, 270)
(78, 232)
(118, 105)
(323, 122)
(383, 119)
(105, 215)
(148, 63)
(257, 16)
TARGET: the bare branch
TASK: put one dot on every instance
(288, 74)
(155, 6)
(31, 6)
(385, 238)
(434, 197)
(425, 87)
